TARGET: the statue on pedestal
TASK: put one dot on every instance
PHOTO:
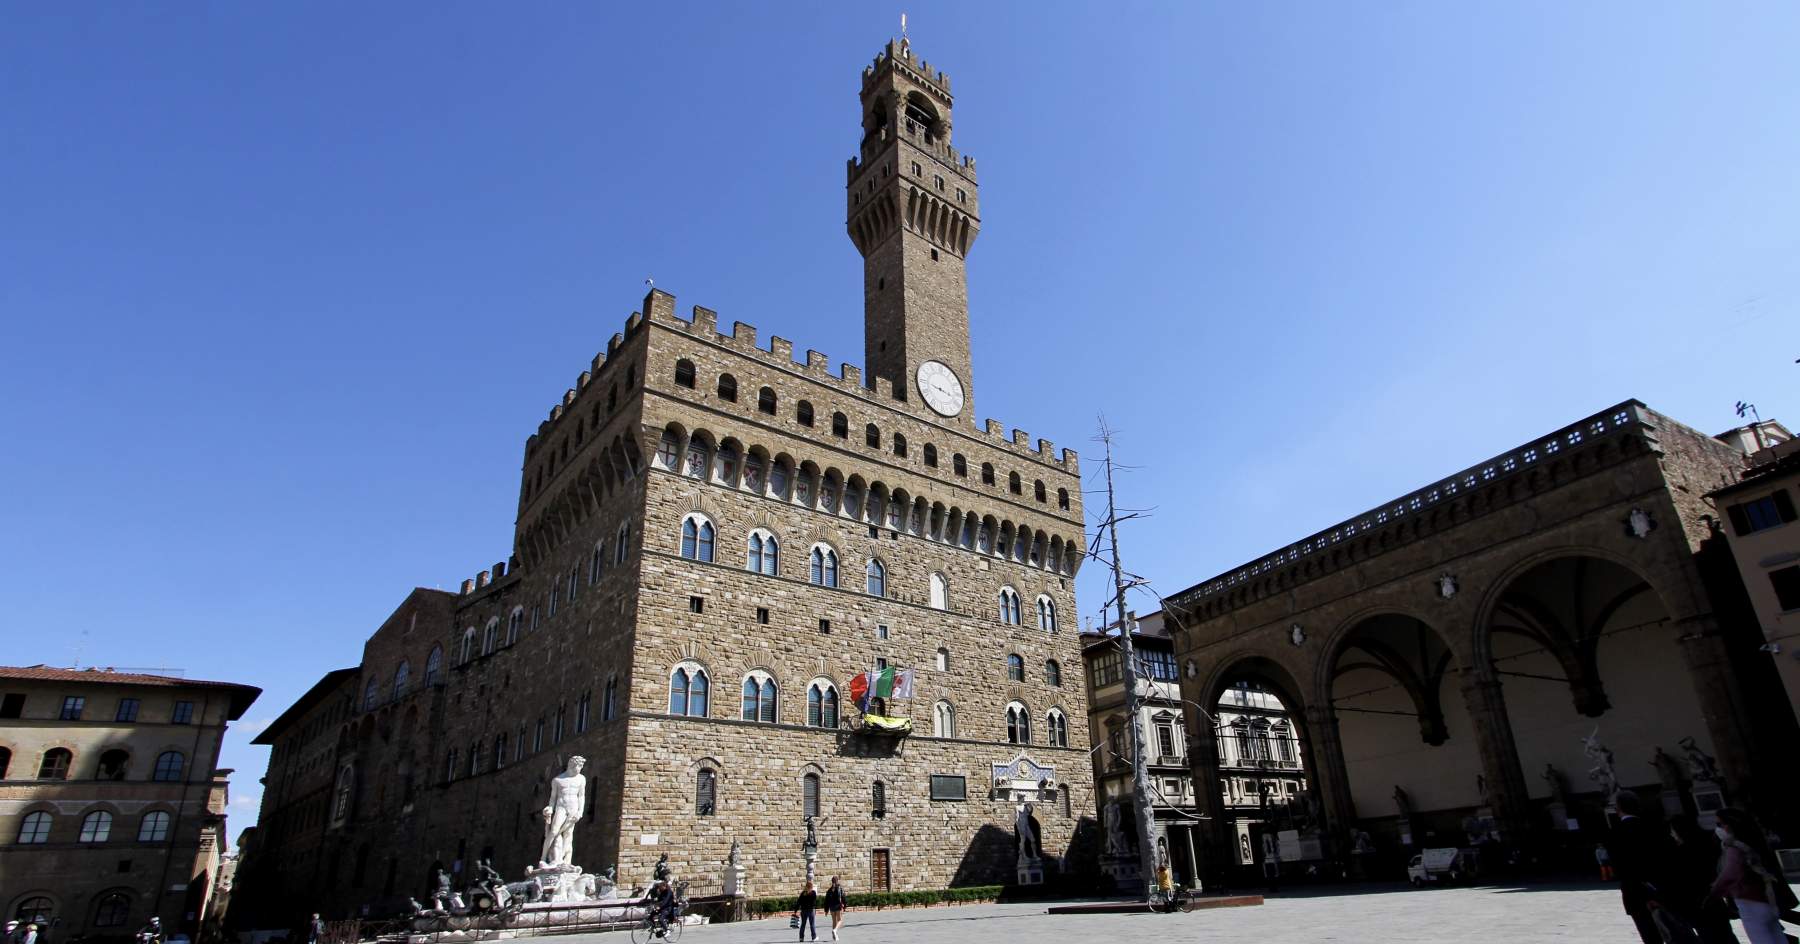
(661, 872)
(1559, 788)
(1603, 772)
(1668, 769)
(1700, 764)
(1404, 802)
(1115, 835)
(732, 857)
(568, 800)
(1026, 830)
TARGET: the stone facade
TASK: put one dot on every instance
(1758, 517)
(112, 806)
(669, 512)
(1460, 641)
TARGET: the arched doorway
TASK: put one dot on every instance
(1583, 646)
(1259, 781)
(1412, 769)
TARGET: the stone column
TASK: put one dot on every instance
(1507, 791)
(1721, 703)
(1328, 770)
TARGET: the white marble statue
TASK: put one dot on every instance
(568, 799)
(1115, 834)
(1026, 829)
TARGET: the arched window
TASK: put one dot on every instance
(1062, 499)
(779, 477)
(371, 695)
(34, 828)
(984, 538)
(809, 795)
(706, 792)
(803, 413)
(899, 445)
(765, 401)
(112, 765)
(1013, 485)
(434, 666)
(930, 455)
(697, 538)
(764, 556)
(1046, 614)
(96, 826)
(824, 569)
(875, 581)
(1018, 724)
(402, 677)
(490, 635)
(878, 799)
(943, 719)
(1015, 667)
(668, 450)
(154, 827)
(55, 764)
(36, 910)
(621, 550)
(872, 436)
(112, 910)
(943, 659)
(987, 473)
(940, 592)
(959, 465)
(753, 472)
(822, 704)
(684, 373)
(1009, 606)
(609, 707)
(1056, 729)
(1052, 673)
(169, 766)
(728, 388)
(468, 645)
(1037, 490)
(759, 698)
(840, 426)
(688, 691)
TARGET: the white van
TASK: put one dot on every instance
(1435, 865)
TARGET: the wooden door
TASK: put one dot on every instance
(878, 871)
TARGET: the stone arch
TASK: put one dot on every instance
(1421, 675)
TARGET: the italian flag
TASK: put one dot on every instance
(880, 683)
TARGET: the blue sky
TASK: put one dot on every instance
(283, 288)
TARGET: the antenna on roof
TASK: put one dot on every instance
(902, 26)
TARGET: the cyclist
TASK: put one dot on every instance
(662, 907)
(151, 933)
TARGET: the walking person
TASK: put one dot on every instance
(834, 906)
(1689, 895)
(1642, 855)
(804, 907)
(315, 930)
(1750, 877)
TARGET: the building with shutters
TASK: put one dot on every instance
(112, 806)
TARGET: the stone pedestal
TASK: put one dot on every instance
(563, 884)
(1559, 817)
(1709, 799)
(733, 884)
(811, 857)
(1123, 870)
(1031, 871)
(1673, 804)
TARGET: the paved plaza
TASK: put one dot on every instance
(1388, 914)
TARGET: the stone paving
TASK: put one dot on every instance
(1387, 914)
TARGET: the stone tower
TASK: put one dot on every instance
(913, 214)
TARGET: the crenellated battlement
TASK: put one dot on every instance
(946, 153)
(703, 324)
(488, 578)
(899, 55)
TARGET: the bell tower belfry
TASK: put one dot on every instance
(913, 213)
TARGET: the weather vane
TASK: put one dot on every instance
(902, 26)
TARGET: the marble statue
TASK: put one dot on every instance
(1559, 788)
(1026, 830)
(732, 857)
(1668, 769)
(1700, 764)
(661, 872)
(811, 842)
(441, 893)
(1115, 835)
(568, 800)
(1404, 802)
(1603, 772)
(1481, 788)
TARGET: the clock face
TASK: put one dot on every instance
(942, 391)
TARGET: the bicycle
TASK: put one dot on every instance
(654, 928)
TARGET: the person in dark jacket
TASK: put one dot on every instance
(804, 907)
(1642, 854)
(834, 906)
(1691, 875)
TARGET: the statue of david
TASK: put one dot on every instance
(568, 799)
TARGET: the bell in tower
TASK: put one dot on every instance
(913, 214)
